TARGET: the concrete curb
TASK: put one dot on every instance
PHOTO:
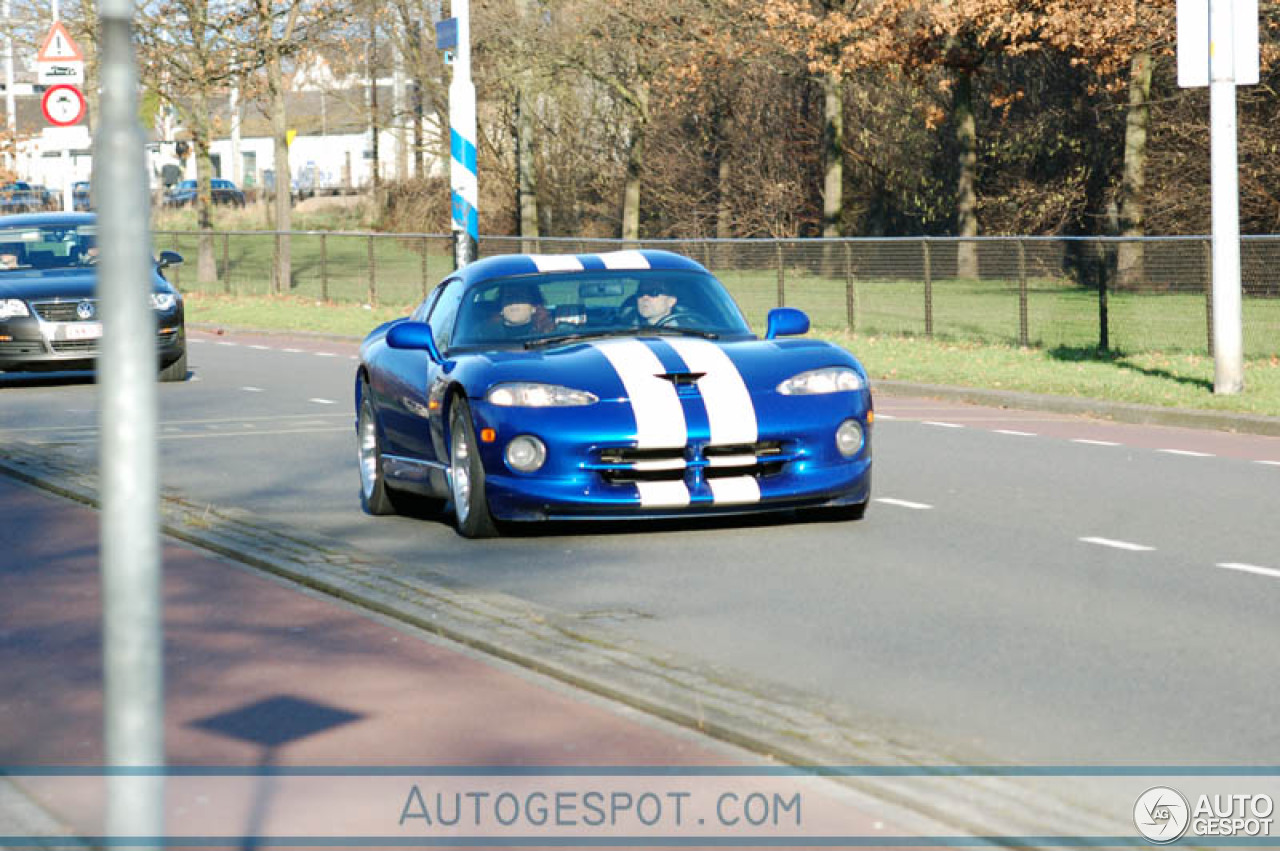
(789, 727)
(1119, 411)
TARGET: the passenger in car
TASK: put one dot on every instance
(522, 312)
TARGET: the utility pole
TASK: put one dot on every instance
(132, 607)
(464, 183)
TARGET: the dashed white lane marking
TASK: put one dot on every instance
(941, 425)
(228, 344)
(1088, 442)
(261, 348)
(325, 355)
(1269, 463)
(1186, 452)
(1250, 568)
(1013, 433)
(249, 389)
(323, 401)
(1119, 545)
(292, 351)
(902, 503)
(885, 417)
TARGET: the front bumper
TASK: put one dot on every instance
(593, 472)
(31, 344)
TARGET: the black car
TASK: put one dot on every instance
(222, 191)
(48, 304)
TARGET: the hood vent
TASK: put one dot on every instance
(681, 379)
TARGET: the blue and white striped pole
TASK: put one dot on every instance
(463, 180)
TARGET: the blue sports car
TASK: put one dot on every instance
(605, 386)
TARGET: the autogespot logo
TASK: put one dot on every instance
(1162, 814)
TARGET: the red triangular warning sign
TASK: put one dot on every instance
(59, 47)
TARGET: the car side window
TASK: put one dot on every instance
(423, 310)
(445, 310)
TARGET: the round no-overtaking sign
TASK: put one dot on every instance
(63, 105)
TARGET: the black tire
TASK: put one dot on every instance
(375, 496)
(466, 476)
(176, 371)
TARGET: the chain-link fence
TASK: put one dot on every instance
(1129, 295)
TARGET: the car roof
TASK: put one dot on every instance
(46, 219)
(509, 265)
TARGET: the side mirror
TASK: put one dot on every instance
(169, 258)
(414, 336)
(786, 322)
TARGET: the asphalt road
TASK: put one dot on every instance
(1030, 588)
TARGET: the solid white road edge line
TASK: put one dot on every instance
(1119, 545)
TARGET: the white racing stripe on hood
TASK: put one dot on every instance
(739, 489)
(725, 394)
(624, 260)
(663, 494)
(659, 416)
(556, 262)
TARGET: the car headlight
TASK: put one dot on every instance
(527, 394)
(12, 308)
(832, 379)
(164, 302)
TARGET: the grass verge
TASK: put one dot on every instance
(1151, 378)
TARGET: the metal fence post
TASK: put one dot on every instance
(1104, 330)
(373, 275)
(782, 278)
(226, 263)
(324, 267)
(426, 282)
(850, 295)
(1024, 332)
(1208, 294)
(928, 287)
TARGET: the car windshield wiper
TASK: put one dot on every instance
(635, 331)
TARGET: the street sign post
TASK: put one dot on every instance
(60, 65)
(1218, 48)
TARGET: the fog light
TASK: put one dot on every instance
(849, 438)
(526, 453)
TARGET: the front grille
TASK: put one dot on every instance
(20, 347)
(71, 347)
(63, 311)
(619, 465)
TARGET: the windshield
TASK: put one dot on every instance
(48, 247)
(561, 308)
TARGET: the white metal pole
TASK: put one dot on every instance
(1228, 342)
(10, 105)
(132, 624)
(463, 177)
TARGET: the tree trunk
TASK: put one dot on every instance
(206, 266)
(526, 177)
(283, 277)
(832, 154)
(1132, 217)
(635, 169)
(967, 160)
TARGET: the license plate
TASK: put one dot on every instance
(83, 330)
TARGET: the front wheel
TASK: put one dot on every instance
(466, 476)
(176, 371)
(374, 496)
